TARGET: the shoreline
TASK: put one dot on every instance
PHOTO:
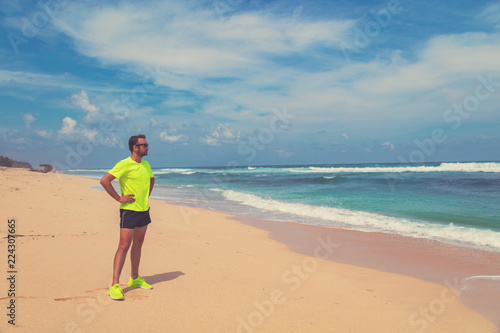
(209, 273)
(382, 251)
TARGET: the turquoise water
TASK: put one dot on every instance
(450, 202)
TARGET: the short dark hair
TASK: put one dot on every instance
(133, 141)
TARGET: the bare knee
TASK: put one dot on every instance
(124, 245)
(138, 242)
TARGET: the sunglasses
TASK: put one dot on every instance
(143, 144)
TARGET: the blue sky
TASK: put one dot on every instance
(237, 82)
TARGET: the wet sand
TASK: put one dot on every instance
(474, 273)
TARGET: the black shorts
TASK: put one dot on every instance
(130, 219)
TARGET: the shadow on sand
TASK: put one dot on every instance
(163, 277)
(157, 278)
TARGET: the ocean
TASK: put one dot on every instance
(455, 203)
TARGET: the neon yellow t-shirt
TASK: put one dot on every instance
(134, 179)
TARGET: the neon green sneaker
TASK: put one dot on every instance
(139, 283)
(115, 292)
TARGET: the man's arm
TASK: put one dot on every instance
(151, 184)
(106, 183)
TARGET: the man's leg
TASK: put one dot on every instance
(126, 236)
(135, 252)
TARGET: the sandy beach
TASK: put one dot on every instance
(210, 271)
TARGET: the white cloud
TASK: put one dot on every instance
(221, 134)
(445, 61)
(387, 145)
(68, 126)
(284, 154)
(170, 138)
(120, 108)
(71, 132)
(210, 141)
(112, 141)
(491, 14)
(164, 34)
(82, 101)
(44, 134)
(254, 32)
(153, 122)
(223, 131)
(41, 81)
(345, 136)
(28, 119)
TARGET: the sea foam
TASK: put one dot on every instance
(443, 167)
(365, 221)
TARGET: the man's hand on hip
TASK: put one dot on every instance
(129, 198)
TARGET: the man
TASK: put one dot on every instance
(136, 183)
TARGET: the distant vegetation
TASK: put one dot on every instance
(7, 162)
